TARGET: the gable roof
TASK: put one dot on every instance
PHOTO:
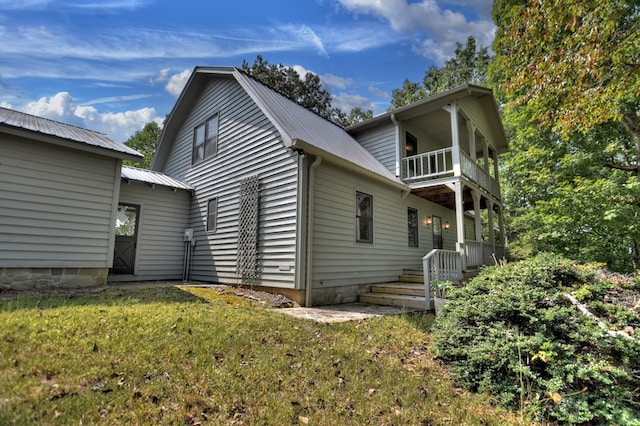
(153, 178)
(299, 128)
(481, 94)
(45, 130)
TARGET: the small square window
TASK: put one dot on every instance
(412, 225)
(364, 218)
(212, 212)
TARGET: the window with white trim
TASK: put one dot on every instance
(212, 213)
(364, 218)
(412, 225)
(205, 139)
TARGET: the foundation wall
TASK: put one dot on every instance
(47, 278)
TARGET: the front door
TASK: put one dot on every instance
(436, 225)
(124, 258)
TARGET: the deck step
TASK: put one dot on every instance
(413, 271)
(413, 302)
(412, 278)
(409, 289)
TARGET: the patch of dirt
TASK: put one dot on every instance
(272, 300)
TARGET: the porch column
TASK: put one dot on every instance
(485, 154)
(476, 215)
(455, 139)
(460, 221)
(472, 140)
(501, 225)
(495, 164)
(492, 236)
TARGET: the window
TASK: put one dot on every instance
(212, 212)
(412, 224)
(364, 218)
(205, 140)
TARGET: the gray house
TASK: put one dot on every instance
(248, 187)
(289, 201)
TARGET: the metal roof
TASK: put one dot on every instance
(298, 123)
(151, 177)
(298, 126)
(22, 121)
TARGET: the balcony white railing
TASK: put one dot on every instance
(439, 163)
(428, 165)
(474, 253)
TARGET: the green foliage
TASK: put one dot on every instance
(306, 90)
(571, 64)
(469, 65)
(512, 333)
(144, 141)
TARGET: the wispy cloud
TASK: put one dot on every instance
(115, 99)
(438, 24)
(97, 5)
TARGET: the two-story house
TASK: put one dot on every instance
(287, 200)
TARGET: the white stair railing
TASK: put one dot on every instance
(441, 265)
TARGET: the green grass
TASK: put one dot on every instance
(190, 356)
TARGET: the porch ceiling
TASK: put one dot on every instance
(445, 196)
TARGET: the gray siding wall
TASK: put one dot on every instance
(248, 145)
(472, 109)
(381, 143)
(338, 259)
(55, 205)
(164, 215)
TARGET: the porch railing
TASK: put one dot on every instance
(441, 265)
(474, 253)
(429, 164)
(438, 163)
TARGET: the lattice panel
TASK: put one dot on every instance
(248, 264)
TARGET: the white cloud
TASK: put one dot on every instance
(334, 81)
(346, 102)
(119, 126)
(306, 35)
(161, 77)
(177, 82)
(378, 93)
(443, 27)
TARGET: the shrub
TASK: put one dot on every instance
(510, 331)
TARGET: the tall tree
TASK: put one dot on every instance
(306, 90)
(145, 141)
(469, 65)
(572, 65)
(567, 73)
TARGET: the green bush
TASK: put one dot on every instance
(511, 332)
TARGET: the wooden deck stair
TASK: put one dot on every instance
(408, 292)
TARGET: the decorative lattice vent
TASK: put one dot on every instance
(248, 266)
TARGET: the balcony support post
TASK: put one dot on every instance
(476, 215)
(455, 139)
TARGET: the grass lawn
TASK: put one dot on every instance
(194, 356)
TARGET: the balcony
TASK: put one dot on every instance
(440, 163)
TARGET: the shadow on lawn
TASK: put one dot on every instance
(105, 297)
(423, 321)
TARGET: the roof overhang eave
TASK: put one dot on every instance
(307, 148)
(71, 144)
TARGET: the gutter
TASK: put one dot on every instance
(309, 265)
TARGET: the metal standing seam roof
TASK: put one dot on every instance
(20, 120)
(297, 122)
(151, 177)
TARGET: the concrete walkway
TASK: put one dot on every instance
(344, 312)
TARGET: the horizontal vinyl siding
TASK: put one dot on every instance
(248, 145)
(338, 259)
(55, 206)
(381, 143)
(164, 215)
(472, 108)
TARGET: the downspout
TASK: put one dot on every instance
(301, 223)
(309, 266)
(397, 137)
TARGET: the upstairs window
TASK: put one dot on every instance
(205, 140)
(364, 218)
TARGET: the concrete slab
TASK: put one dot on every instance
(344, 312)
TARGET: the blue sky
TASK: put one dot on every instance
(114, 65)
